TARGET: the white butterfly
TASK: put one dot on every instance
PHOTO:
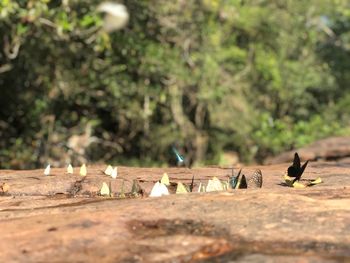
(159, 189)
(214, 185)
(114, 172)
(69, 169)
(108, 170)
(47, 170)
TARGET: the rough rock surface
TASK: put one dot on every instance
(333, 148)
(60, 218)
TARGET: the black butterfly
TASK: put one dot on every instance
(295, 170)
(239, 181)
(192, 184)
(256, 180)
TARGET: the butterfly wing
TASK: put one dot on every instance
(293, 170)
(214, 184)
(105, 190)
(301, 171)
(181, 189)
(296, 161)
(192, 184)
(179, 157)
(242, 183)
(136, 188)
(234, 179)
(165, 179)
(256, 180)
(303, 168)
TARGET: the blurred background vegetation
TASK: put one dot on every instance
(214, 77)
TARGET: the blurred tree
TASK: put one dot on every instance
(256, 77)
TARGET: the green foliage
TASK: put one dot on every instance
(256, 77)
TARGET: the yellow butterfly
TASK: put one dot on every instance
(318, 180)
(83, 170)
(181, 189)
(105, 189)
(165, 179)
(298, 184)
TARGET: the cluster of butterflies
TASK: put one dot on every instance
(113, 172)
(70, 170)
(165, 187)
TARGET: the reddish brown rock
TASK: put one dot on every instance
(334, 148)
(59, 218)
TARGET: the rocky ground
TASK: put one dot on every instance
(59, 218)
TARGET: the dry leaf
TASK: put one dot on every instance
(5, 188)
